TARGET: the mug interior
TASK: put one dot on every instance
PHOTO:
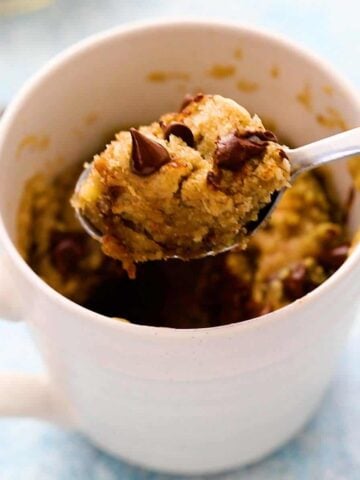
(130, 76)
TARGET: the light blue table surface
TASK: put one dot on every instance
(329, 447)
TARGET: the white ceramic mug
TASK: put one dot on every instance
(188, 401)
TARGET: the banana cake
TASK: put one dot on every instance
(190, 183)
(303, 243)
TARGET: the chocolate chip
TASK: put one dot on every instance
(67, 249)
(180, 130)
(255, 309)
(233, 150)
(114, 192)
(282, 154)
(147, 155)
(333, 259)
(186, 101)
(214, 179)
(190, 98)
(295, 283)
(263, 136)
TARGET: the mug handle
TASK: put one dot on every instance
(23, 394)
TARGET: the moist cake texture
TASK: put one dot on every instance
(304, 242)
(53, 242)
(185, 185)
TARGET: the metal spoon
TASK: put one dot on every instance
(301, 159)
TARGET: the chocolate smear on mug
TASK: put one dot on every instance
(180, 130)
(147, 155)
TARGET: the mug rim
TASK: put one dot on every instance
(104, 36)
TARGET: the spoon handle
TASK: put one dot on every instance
(324, 151)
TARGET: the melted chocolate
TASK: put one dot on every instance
(147, 155)
(295, 284)
(67, 249)
(182, 131)
(236, 148)
(333, 258)
(177, 294)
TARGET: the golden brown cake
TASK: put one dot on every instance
(185, 185)
(304, 242)
(53, 242)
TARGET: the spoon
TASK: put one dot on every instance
(301, 159)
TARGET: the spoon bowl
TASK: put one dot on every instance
(302, 159)
(89, 228)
